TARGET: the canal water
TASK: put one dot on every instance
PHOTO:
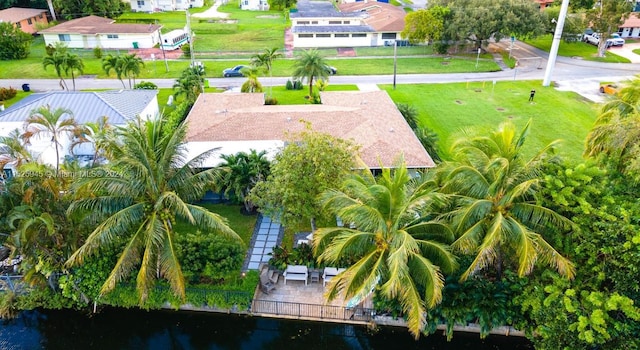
(159, 330)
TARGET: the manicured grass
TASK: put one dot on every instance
(297, 97)
(578, 49)
(241, 224)
(21, 94)
(636, 51)
(450, 108)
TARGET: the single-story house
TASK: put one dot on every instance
(163, 5)
(356, 24)
(237, 122)
(94, 31)
(24, 18)
(254, 5)
(631, 27)
(118, 106)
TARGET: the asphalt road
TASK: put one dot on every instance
(569, 74)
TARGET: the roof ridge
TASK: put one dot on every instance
(98, 94)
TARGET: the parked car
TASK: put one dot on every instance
(609, 88)
(594, 39)
(233, 72)
(616, 39)
(332, 70)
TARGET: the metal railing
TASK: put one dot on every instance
(312, 311)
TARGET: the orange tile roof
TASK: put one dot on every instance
(17, 14)
(632, 22)
(100, 25)
(382, 16)
(370, 119)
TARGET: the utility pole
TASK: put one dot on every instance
(164, 56)
(191, 53)
(553, 54)
(395, 61)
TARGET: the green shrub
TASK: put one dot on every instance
(186, 50)
(146, 85)
(289, 85)
(14, 43)
(270, 101)
(7, 94)
(209, 258)
(97, 52)
(297, 85)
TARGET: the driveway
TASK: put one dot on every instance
(626, 51)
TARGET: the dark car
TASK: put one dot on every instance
(332, 70)
(233, 72)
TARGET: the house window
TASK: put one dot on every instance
(305, 35)
(335, 22)
(359, 35)
(18, 25)
(301, 23)
(40, 16)
(346, 22)
(341, 35)
(323, 35)
(140, 3)
(112, 36)
(388, 35)
(314, 22)
(64, 37)
(246, 2)
(29, 21)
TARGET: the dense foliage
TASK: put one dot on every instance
(14, 43)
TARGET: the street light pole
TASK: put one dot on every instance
(478, 58)
(553, 54)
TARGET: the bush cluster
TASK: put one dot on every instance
(7, 94)
(293, 85)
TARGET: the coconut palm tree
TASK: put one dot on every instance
(131, 65)
(190, 83)
(616, 132)
(265, 60)
(13, 150)
(54, 124)
(395, 247)
(57, 60)
(155, 186)
(110, 62)
(99, 134)
(310, 65)
(496, 217)
(252, 84)
(73, 64)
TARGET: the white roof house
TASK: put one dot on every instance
(357, 24)
(164, 5)
(118, 106)
(254, 5)
(94, 31)
(235, 122)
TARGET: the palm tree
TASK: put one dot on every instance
(131, 66)
(57, 60)
(244, 171)
(13, 150)
(252, 84)
(44, 122)
(110, 62)
(99, 134)
(190, 83)
(394, 245)
(265, 60)
(310, 65)
(72, 64)
(496, 216)
(616, 132)
(155, 187)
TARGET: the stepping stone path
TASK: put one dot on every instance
(267, 234)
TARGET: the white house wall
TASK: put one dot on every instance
(124, 41)
(143, 5)
(319, 40)
(166, 5)
(152, 110)
(254, 5)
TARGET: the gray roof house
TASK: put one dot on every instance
(117, 106)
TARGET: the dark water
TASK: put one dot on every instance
(159, 330)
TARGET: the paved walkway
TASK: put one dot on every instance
(212, 12)
(267, 234)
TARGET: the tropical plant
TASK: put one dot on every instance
(73, 64)
(398, 248)
(14, 43)
(190, 83)
(496, 216)
(13, 150)
(252, 84)
(138, 207)
(131, 66)
(265, 60)
(113, 62)
(47, 123)
(243, 172)
(99, 134)
(310, 65)
(57, 60)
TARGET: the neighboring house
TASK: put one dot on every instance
(237, 122)
(357, 24)
(24, 18)
(631, 27)
(93, 31)
(164, 5)
(118, 106)
(254, 5)
(544, 3)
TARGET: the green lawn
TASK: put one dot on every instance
(578, 49)
(296, 97)
(449, 108)
(21, 94)
(241, 224)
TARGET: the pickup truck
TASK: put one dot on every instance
(594, 39)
